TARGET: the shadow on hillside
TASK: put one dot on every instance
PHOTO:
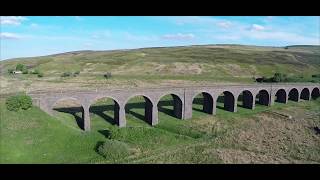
(75, 112)
(106, 133)
(220, 102)
(96, 148)
(101, 110)
(197, 101)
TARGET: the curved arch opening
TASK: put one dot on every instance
(245, 99)
(139, 108)
(203, 102)
(226, 101)
(305, 94)
(293, 95)
(70, 110)
(171, 105)
(263, 98)
(281, 96)
(104, 109)
(315, 93)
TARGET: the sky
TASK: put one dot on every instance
(44, 35)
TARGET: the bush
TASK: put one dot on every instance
(108, 75)
(23, 101)
(316, 75)
(113, 149)
(40, 74)
(36, 71)
(66, 74)
(10, 71)
(25, 71)
(77, 72)
(13, 103)
(20, 67)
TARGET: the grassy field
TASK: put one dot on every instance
(185, 65)
(258, 136)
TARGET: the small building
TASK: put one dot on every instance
(17, 72)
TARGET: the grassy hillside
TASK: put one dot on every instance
(170, 65)
(258, 136)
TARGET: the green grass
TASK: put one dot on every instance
(32, 136)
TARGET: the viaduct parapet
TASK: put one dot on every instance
(265, 94)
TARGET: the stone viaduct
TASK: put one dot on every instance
(265, 94)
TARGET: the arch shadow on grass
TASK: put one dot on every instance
(73, 111)
(166, 110)
(197, 101)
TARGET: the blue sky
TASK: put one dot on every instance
(44, 35)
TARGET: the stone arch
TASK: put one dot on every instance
(148, 108)
(247, 99)
(100, 110)
(281, 96)
(206, 102)
(177, 104)
(293, 94)
(315, 93)
(73, 109)
(228, 101)
(305, 94)
(263, 97)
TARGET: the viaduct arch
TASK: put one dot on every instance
(249, 95)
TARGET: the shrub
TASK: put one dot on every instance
(23, 101)
(13, 103)
(25, 71)
(20, 67)
(40, 74)
(66, 74)
(108, 75)
(316, 75)
(77, 72)
(10, 71)
(113, 149)
(36, 71)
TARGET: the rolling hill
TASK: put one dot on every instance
(166, 65)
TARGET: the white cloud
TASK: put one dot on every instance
(257, 27)
(7, 35)
(34, 25)
(291, 38)
(194, 20)
(178, 36)
(88, 45)
(134, 37)
(224, 24)
(101, 34)
(12, 20)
